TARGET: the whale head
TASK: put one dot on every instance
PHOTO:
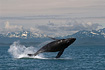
(70, 40)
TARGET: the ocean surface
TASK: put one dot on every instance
(14, 57)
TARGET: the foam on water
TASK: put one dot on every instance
(20, 51)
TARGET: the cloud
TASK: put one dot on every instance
(12, 27)
(56, 28)
(76, 26)
(62, 29)
(68, 28)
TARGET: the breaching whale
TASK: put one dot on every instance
(55, 46)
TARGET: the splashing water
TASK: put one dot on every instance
(20, 51)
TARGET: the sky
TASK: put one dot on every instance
(52, 7)
(52, 16)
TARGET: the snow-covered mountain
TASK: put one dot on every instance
(81, 34)
(25, 37)
(94, 37)
(22, 34)
(83, 37)
(90, 34)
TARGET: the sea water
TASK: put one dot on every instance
(14, 57)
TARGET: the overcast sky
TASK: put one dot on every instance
(21, 11)
(52, 7)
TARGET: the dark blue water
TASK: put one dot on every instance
(73, 58)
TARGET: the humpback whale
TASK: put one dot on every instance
(58, 45)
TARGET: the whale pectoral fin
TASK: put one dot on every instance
(59, 53)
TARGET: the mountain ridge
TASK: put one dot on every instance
(84, 37)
